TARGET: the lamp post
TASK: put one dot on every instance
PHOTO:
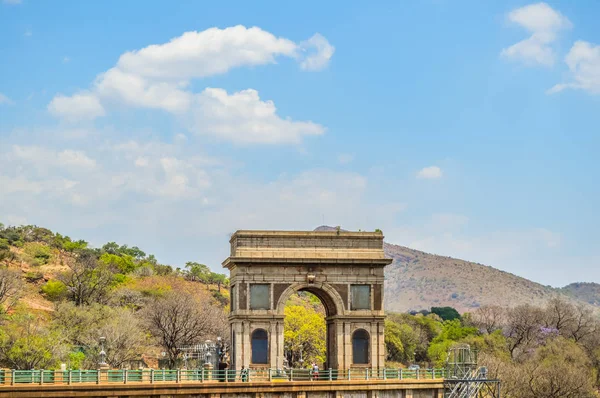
(102, 353)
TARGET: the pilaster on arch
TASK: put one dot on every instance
(331, 299)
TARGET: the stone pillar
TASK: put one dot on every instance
(208, 371)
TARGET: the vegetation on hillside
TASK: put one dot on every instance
(58, 296)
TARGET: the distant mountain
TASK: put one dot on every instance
(417, 280)
(588, 292)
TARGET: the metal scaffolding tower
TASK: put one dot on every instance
(465, 379)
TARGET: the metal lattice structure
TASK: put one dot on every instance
(465, 379)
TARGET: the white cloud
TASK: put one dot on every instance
(431, 172)
(243, 118)
(345, 158)
(70, 158)
(583, 61)
(544, 23)
(4, 100)
(319, 52)
(207, 53)
(44, 158)
(66, 59)
(83, 106)
(134, 90)
(159, 77)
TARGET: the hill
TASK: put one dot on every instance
(588, 292)
(417, 280)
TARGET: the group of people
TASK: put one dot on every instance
(314, 372)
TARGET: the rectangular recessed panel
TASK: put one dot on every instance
(360, 296)
(260, 296)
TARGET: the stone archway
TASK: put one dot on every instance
(334, 307)
(343, 269)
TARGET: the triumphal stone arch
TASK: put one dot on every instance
(343, 269)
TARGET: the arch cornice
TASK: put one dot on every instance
(331, 299)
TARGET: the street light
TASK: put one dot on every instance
(102, 352)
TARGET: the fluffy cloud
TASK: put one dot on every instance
(45, 158)
(431, 172)
(159, 76)
(583, 61)
(243, 118)
(319, 51)
(544, 23)
(78, 107)
(5, 100)
(207, 53)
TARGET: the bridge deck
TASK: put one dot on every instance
(215, 388)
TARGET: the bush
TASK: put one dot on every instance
(34, 276)
(36, 253)
(54, 290)
(4, 245)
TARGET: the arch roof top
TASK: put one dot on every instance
(323, 247)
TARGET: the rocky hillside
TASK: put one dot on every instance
(417, 280)
(588, 292)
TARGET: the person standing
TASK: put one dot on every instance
(244, 374)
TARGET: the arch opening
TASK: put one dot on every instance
(305, 331)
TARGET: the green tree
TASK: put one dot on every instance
(446, 313)
(123, 263)
(218, 279)
(452, 332)
(198, 272)
(304, 335)
(26, 344)
(393, 341)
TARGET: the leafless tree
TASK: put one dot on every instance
(560, 315)
(10, 288)
(87, 280)
(522, 327)
(488, 318)
(124, 339)
(584, 324)
(178, 320)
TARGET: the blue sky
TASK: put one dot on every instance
(468, 129)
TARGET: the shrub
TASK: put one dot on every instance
(36, 253)
(34, 276)
(54, 290)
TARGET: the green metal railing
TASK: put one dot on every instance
(41, 377)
